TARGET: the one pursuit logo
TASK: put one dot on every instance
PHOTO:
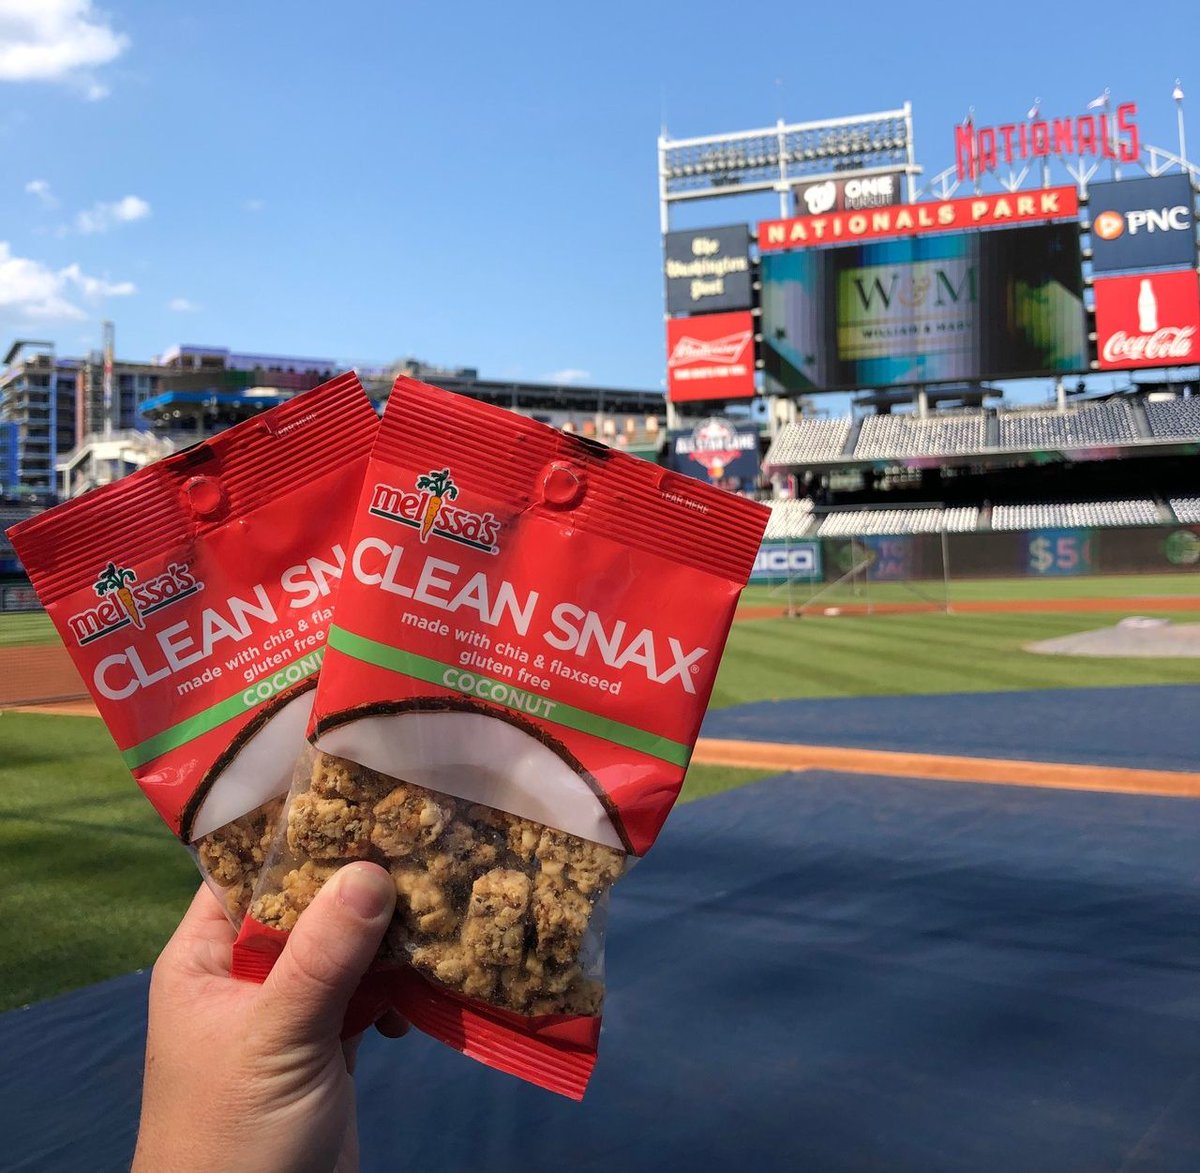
(124, 601)
(427, 509)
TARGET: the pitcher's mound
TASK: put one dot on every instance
(1136, 636)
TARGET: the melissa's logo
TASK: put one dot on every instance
(427, 510)
(126, 601)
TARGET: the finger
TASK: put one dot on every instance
(305, 996)
(392, 1025)
(204, 937)
(350, 1052)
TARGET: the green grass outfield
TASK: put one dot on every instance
(26, 627)
(36, 628)
(888, 655)
(91, 882)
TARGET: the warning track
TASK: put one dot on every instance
(998, 771)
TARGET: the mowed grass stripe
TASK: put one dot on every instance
(913, 654)
(24, 629)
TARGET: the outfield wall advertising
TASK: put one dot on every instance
(925, 310)
(19, 598)
(779, 561)
(1040, 553)
(1058, 552)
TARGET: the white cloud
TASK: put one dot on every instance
(101, 217)
(32, 291)
(56, 40)
(568, 375)
(41, 189)
(181, 305)
(254, 205)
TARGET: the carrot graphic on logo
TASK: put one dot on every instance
(112, 579)
(440, 487)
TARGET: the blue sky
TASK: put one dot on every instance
(471, 184)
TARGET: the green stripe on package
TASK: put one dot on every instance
(502, 693)
(242, 701)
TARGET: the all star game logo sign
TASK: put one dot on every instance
(717, 450)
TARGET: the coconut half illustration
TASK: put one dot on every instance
(256, 767)
(479, 754)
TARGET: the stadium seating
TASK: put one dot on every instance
(10, 515)
(926, 519)
(1173, 419)
(1097, 424)
(790, 519)
(948, 434)
(1038, 515)
(809, 440)
(1187, 509)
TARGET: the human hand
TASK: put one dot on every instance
(240, 1076)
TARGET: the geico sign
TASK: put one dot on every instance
(785, 560)
(1110, 225)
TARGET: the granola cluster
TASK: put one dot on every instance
(233, 855)
(491, 905)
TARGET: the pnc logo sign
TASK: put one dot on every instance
(1142, 224)
(1109, 225)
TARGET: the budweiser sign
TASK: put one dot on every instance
(981, 211)
(710, 356)
(1147, 320)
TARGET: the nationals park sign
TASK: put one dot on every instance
(981, 211)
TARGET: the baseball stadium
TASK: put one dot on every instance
(929, 900)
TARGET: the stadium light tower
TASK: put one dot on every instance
(1177, 94)
(778, 158)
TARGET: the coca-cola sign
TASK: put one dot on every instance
(710, 356)
(1148, 320)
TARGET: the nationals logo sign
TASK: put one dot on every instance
(710, 357)
(1147, 320)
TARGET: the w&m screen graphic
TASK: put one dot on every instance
(925, 309)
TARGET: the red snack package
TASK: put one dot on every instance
(194, 597)
(524, 644)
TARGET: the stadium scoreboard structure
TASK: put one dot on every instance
(858, 284)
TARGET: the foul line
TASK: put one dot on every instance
(999, 771)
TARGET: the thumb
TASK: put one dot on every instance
(305, 997)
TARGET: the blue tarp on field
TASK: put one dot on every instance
(1151, 727)
(818, 971)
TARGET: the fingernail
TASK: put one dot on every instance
(366, 891)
